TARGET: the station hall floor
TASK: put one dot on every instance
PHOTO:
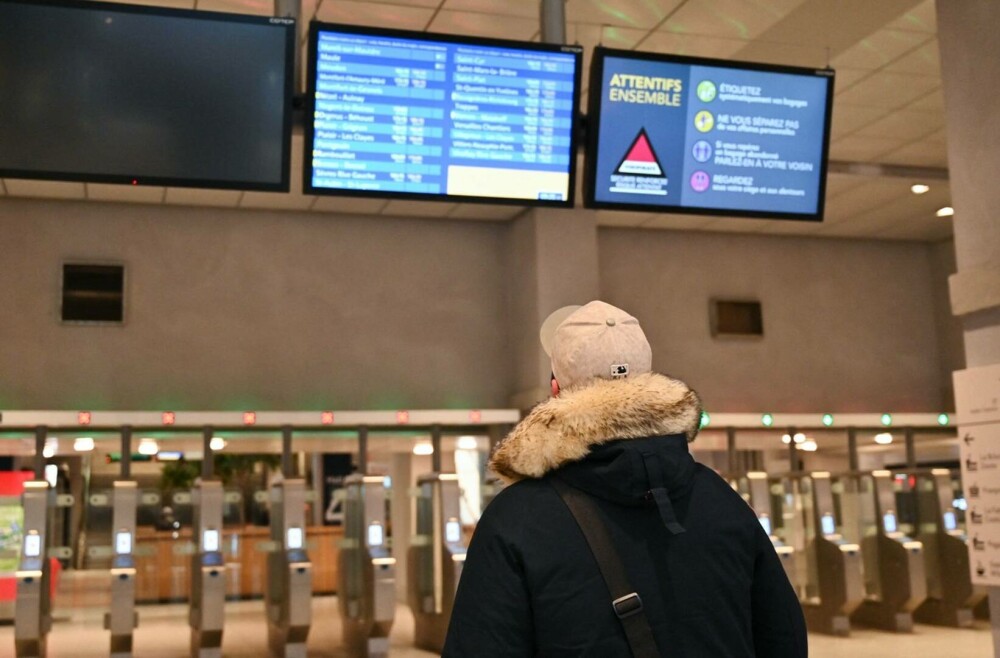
(78, 632)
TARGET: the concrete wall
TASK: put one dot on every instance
(243, 309)
(248, 309)
(849, 326)
(951, 345)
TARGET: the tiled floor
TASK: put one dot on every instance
(163, 633)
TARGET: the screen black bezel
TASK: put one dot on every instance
(594, 122)
(284, 185)
(307, 187)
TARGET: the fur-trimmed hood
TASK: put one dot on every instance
(566, 428)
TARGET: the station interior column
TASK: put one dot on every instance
(970, 69)
(553, 264)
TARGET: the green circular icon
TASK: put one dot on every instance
(704, 121)
(706, 91)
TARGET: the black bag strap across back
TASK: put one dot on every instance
(624, 599)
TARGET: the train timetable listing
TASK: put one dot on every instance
(414, 116)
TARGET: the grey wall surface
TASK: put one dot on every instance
(242, 309)
(252, 310)
(849, 326)
(951, 345)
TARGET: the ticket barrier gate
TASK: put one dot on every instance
(33, 607)
(759, 491)
(289, 572)
(367, 573)
(951, 596)
(834, 589)
(122, 620)
(895, 581)
(436, 558)
(208, 572)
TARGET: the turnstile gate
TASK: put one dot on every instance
(759, 491)
(893, 562)
(289, 572)
(33, 614)
(951, 596)
(834, 585)
(367, 593)
(436, 558)
(123, 619)
(208, 572)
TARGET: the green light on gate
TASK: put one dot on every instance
(767, 420)
(943, 419)
(887, 419)
(705, 419)
(827, 420)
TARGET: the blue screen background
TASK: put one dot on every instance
(754, 183)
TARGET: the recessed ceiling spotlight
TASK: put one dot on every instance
(947, 211)
(920, 188)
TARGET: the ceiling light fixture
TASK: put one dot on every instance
(947, 211)
(883, 439)
(423, 449)
(920, 188)
(83, 444)
(148, 447)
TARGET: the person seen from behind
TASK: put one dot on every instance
(699, 567)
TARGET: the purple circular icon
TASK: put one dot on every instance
(700, 181)
(701, 151)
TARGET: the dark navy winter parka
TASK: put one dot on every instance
(710, 581)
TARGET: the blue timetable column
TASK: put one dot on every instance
(379, 121)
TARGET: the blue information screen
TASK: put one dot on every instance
(424, 115)
(727, 139)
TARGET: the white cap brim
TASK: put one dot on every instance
(547, 333)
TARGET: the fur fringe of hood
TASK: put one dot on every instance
(563, 429)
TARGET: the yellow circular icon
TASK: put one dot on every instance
(704, 121)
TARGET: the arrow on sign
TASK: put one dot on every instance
(968, 438)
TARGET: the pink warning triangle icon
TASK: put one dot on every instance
(640, 158)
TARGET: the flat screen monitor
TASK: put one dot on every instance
(765, 522)
(295, 539)
(440, 117)
(32, 545)
(114, 93)
(123, 542)
(376, 534)
(452, 531)
(889, 522)
(949, 521)
(685, 135)
(827, 525)
(210, 541)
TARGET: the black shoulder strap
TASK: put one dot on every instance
(624, 599)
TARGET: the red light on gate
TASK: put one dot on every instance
(476, 416)
(168, 417)
(83, 418)
(402, 417)
(135, 182)
(249, 418)
(326, 418)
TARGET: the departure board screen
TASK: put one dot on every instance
(428, 116)
(704, 136)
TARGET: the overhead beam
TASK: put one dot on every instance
(876, 170)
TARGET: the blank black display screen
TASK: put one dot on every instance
(104, 92)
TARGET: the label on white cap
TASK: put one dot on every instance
(619, 371)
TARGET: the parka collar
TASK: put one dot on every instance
(564, 429)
